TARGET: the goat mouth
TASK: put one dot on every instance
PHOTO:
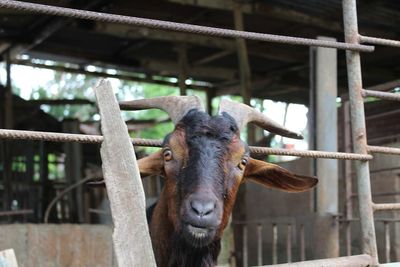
(198, 236)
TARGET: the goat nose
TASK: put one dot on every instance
(202, 208)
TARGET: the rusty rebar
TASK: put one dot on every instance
(383, 150)
(15, 212)
(381, 95)
(386, 206)
(97, 139)
(359, 134)
(378, 41)
(174, 26)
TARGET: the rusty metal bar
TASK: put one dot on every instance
(387, 241)
(289, 243)
(385, 86)
(308, 153)
(259, 244)
(381, 95)
(302, 243)
(378, 41)
(386, 206)
(363, 260)
(384, 150)
(359, 132)
(274, 243)
(97, 139)
(376, 219)
(245, 247)
(174, 26)
(15, 212)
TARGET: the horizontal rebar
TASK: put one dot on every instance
(15, 212)
(174, 26)
(97, 139)
(383, 150)
(378, 41)
(308, 153)
(381, 95)
(64, 137)
(386, 206)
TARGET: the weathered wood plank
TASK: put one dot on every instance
(8, 259)
(131, 235)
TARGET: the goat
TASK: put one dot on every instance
(204, 161)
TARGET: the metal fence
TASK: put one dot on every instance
(353, 46)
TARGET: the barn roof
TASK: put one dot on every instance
(279, 71)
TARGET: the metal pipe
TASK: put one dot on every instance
(62, 194)
(378, 41)
(289, 243)
(363, 260)
(245, 249)
(383, 150)
(97, 139)
(387, 241)
(386, 206)
(381, 95)
(15, 212)
(174, 26)
(359, 132)
(302, 243)
(274, 244)
(259, 244)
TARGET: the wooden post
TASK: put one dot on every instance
(131, 237)
(73, 171)
(183, 68)
(244, 66)
(8, 259)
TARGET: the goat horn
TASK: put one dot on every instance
(244, 114)
(175, 106)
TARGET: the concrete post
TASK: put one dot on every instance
(326, 140)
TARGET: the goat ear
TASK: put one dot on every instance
(151, 165)
(274, 176)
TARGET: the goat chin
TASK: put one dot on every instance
(198, 237)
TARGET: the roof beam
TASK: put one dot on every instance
(269, 10)
(140, 33)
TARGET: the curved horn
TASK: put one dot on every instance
(175, 106)
(244, 114)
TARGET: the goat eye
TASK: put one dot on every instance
(167, 154)
(242, 164)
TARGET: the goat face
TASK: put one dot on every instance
(204, 161)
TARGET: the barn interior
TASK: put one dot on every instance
(41, 182)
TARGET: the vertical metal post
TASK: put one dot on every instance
(348, 181)
(245, 254)
(302, 244)
(387, 241)
(327, 245)
(259, 244)
(274, 244)
(358, 131)
(289, 243)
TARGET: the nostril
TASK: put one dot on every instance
(202, 208)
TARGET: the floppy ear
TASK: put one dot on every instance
(151, 165)
(274, 176)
